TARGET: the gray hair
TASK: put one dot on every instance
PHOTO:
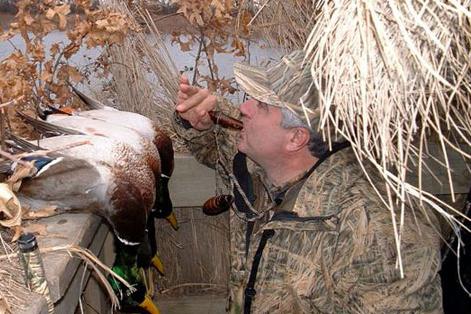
(316, 145)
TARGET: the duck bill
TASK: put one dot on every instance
(172, 219)
(157, 262)
(149, 306)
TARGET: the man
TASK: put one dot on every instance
(308, 232)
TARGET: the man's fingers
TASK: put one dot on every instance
(181, 97)
(186, 88)
(207, 104)
(193, 101)
(185, 92)
(189, 90)
(184, 80)
(202, 123)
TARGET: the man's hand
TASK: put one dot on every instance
(193, 104)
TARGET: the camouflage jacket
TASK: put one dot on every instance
(333, 248)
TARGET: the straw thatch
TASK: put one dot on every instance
(394, 81)
(282, 24)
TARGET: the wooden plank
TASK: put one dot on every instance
(65, 229)
(192, 183)
(68, 303)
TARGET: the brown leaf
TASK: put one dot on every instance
(210, 50)
(17, 88)
(62, 22)
(70, 50)
(80, 29)
(226, 85)
(102, 24)
(63, 9)
(28, 19)
(50, 13)
(62, 93)
(185, 46)
(7, 35)
(37, 51)
(46, 76)
(74, 74)
(54, 49)
(246, 17)
(195, 17)
(47, 25)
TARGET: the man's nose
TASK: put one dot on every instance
(246, 108)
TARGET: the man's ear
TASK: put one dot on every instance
(299, 138)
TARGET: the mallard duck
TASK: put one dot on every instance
(145, 149)
(103, 176)
(147, 128)
(139, 123)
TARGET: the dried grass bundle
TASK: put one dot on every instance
(394, 80)
(144, 77)
(197, 253)
(283, 24)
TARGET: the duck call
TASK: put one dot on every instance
(225, 121)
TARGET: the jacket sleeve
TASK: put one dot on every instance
(214, 145)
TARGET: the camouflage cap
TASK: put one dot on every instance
(288, 83)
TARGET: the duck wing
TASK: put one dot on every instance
(69, 125)
(19, 144)
(48, 129)
(53, 179)
(124, 162)
(75, 184)
(132, 120)
(70, 184)
(141, 124)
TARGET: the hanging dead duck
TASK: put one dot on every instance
(102, 176)
(142, 146)
(141, 124)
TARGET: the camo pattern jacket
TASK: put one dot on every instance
(335, 250)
